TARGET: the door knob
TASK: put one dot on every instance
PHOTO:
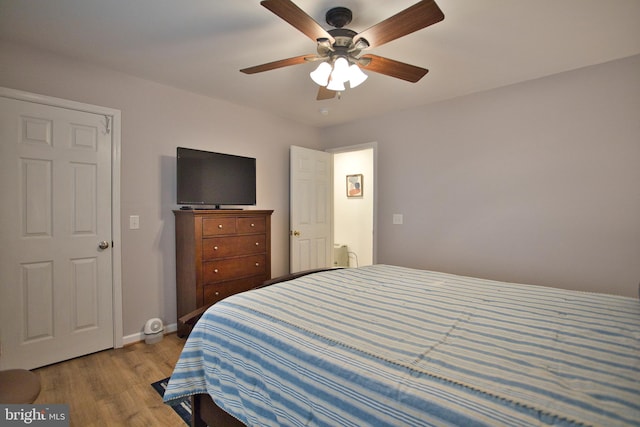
(103, 245)
(295, 233)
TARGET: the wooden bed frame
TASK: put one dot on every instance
(204, 411)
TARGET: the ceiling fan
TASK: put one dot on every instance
(340, 49)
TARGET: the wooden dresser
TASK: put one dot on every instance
(219, 253)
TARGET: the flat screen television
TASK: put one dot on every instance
(215, 179)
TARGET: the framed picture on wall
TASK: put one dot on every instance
(354, 186)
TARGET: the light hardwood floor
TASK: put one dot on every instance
(113, 387)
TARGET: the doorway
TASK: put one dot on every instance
(354, 196)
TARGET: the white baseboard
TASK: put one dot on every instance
(134, 338)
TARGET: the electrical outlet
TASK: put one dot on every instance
(398, 219)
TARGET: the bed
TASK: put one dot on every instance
(392, 346)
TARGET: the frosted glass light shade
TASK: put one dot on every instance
(340, 70)
(336, 85)
(356, 76)
(334, 76)
(321, 74)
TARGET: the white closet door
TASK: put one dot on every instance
(56, 285)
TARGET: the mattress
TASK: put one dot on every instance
(392, 346)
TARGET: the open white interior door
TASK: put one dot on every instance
(311, 209)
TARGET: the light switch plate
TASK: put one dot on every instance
(398, 219)
(134, 222)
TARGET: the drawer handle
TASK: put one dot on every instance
(257, 264)
(219, 225)
(253, 225)
(215, 270)
(217, 293)
(215, 248)
(257, 243)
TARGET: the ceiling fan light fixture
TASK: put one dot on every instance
(356, 76)
(340, 70)
(321, 74)
(340, 48)
(336, 85)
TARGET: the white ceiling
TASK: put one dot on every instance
(199, 45)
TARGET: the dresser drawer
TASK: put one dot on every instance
(226, 269)
(221, 247)
(218, 226)
(254, 224)
(214, 292)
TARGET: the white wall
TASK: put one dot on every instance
(156, 119)
(537, 182)
(353, 217)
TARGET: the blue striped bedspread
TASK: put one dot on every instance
(392, 346)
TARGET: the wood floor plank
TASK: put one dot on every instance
(113, 387)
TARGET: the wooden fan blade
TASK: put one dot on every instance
(414, 18)
(324, 93)
(295, 16)
(277, 64)
(393, 68)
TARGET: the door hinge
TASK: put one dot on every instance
(108, 124)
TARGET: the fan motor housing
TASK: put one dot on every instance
(338, 16)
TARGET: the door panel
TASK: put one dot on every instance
(35, 198)
(311, 205)
(56, 289)
(84, 194)
(37, 287)
(85, 293)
